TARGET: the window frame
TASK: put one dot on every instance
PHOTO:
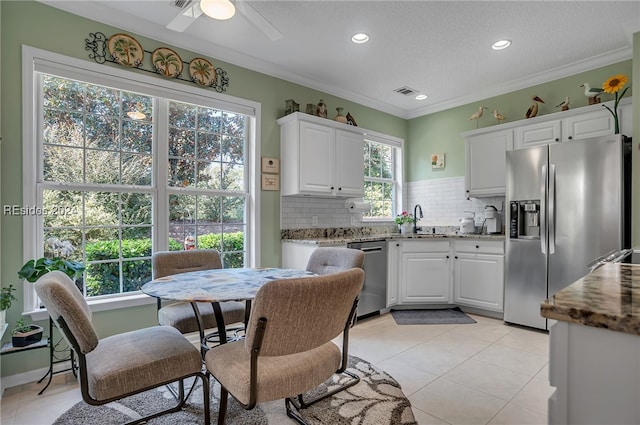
(35, 61)
(397, 145)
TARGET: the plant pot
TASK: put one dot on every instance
(22, 339)
(406, 228)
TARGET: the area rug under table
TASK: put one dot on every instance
(431, 317)
(376, 400)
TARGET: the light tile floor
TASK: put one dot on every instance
(482, 373)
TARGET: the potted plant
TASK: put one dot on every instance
(32, 270)
(405, 221)
(25, 334)
(6, 298)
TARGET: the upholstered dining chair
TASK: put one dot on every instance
(325, 260)
(180, 315)
(288, 348)
(125, 364)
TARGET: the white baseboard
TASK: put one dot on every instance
(31, 376)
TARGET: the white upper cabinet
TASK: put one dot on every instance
(486, 162)
(595, 123)
(319, 159)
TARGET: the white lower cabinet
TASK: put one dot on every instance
(424, 272)
(478, 274)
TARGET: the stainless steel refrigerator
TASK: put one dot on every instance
(567, 205)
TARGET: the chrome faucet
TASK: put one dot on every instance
(415, 217)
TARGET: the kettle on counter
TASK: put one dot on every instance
(467, 224)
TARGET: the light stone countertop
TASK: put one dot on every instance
(329, 241)
(608, 298)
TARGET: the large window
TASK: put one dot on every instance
(381, 179)
(121, 173)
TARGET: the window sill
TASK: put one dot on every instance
(101, 305)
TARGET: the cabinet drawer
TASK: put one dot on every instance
(420, 246)
(480, 246)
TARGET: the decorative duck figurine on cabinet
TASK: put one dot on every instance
(533, 109)
(497, 115)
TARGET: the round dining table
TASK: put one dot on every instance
(216, 286)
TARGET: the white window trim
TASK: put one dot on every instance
(398, 177)
(34, 60)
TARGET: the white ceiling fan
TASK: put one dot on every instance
(191, 11)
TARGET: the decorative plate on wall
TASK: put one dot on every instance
(125, 50)
(166, 62)
(202, 72)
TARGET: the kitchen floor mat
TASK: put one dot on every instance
(431, 316)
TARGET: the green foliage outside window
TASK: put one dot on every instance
(102, 275)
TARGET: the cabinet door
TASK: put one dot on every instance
(590, 124)
(485, 159)
(317, 163)
(350, 164)
(541, 133)
(479, 280)
(425, 278)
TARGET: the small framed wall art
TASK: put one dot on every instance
(271, 182)
(270, 165)
(437, 161)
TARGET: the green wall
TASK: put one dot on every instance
(37, 25)
(440, 132)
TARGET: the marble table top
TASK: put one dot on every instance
(217, 285)
(608, 298)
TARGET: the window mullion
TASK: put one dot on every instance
(161, 175)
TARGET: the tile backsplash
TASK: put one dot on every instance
(443, 203)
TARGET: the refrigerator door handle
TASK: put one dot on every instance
(543, 210)
(552, 209)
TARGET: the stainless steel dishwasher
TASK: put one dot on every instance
(373, 297)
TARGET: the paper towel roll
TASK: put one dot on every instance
(358, 206)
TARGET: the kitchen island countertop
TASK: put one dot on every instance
(608, 298)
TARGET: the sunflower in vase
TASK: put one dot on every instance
(613, 86)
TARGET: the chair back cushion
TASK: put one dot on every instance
(303, 313)
(62, 299)
(327, 260)
(166, 263)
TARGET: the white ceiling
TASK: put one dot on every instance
(439, 48)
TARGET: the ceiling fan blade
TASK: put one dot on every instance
(258, 20)
(187, 17)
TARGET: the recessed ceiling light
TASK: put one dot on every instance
(501, 44)
(421, 97)
(360, 38)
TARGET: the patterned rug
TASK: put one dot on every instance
(376, 400)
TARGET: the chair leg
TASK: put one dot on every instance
(299, 402)
(207, 397)
(222, 411)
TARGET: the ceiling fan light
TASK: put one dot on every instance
(218, 9)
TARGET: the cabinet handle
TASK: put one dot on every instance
(570, 137)
(477, 246)
(456, 257)
(557, 139)
(447, 256)
(339, 188)
(397, 244)
(331, 187)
